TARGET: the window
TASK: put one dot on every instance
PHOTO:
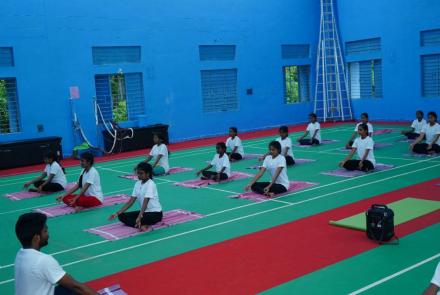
(6, 57)
(219, 90)
(363, 46)
(9, 113)
(216, 52)
(111, 55)
(430, 38)
(295, 51)
(296, 84)
(431, 75)
(120, 96)
(365, 79)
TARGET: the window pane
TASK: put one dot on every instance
(119, 98)
(9, 113)
(291, 84)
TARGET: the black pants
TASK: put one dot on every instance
(60, 290)
(290, 161)
(308, 141)
(235, 156)
(213, 175)
(354, 165)
(149, 218)
(422, 148)
(276, 188)
(412, 135)
(50, 187)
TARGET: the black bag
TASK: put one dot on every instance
(380, 223)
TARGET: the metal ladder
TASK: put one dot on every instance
(332, 101)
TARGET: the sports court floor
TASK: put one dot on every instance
(280, 246)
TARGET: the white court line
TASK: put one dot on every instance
(395, 275)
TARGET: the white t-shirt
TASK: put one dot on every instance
(59, 176)
(312, 127)
(219, 163)
(236, 142)
(362, 145)
(430, 132)
(436, 278)
(418, 125)
(370, 128)
(94, 189)
(161, 150)
(271, 164)
(147, 190)
(36, 273)
(286, 143)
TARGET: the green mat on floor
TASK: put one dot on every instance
(404, 210)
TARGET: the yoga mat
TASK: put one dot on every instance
(405, 140)
(324, 141)
(404, 210)
(378, 145)
(414, 155)
(197, 183)
(172, 170)
(59, 210)
(294, 186)
(382, 131)
(251, 156)
(297, 162)
(117, 231)
(113, 290)
(346, 173)
(28, 195)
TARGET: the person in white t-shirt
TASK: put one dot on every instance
(434, 287)
(364, 146)
(221, 164)
(89, 182)
(159, 153)
(145, 192)
(416, 126)
(286, 145)
(234, 144)
(364, 120)
(314, 130)
(431, 134)
(56, 179)
(36, 272)
(275, 163)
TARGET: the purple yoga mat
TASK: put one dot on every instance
(28, 195)
(118, 230)
(324, 141)
(414, 155)
(297, 162)
(251, 156)
(113, 290)
(346, 173)
(59, 210)
(382, 131)
(294, 186)
(197, 183)
(405, 140)
(378, 145)
(172, 170)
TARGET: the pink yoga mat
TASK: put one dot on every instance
(382, 131)
(341, 172)
(113, 290)
(297, 162)
(28, 195)
(197, 183)
(59, 210)
(294, 186)
(172, 170)
(118, 230)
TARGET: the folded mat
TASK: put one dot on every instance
(63, 209)
(347, 173)
(118, 230)
(404, 210)
(197, 183)
(382, 131)
(294, 186)
(28, 195)
(297, 162)
(113, 290)
(172, 170)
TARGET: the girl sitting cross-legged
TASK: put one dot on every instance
(431, 134)
(221, 164)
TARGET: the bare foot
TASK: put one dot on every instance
(78, 209)
(143, 228)
(271, 195)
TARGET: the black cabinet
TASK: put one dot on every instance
(142, 138)
(28, 152)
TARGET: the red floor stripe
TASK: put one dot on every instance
(262, 260)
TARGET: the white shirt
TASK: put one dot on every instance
(286, 143)
(271, 164)
(430, 132)
(362, 145)
(436, 278)
(36, 273)
(219, 163)
(161, 150)
(418, 125)
(59, 176)
(236, 142)
(147, 190)
(312, 127)
(94, 189)
(370, 128)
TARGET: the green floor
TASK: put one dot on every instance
(88, 257)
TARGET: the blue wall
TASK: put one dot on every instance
(52, 43)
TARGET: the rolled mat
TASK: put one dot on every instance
(28, 195)
(341, 172)
(197, 183)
